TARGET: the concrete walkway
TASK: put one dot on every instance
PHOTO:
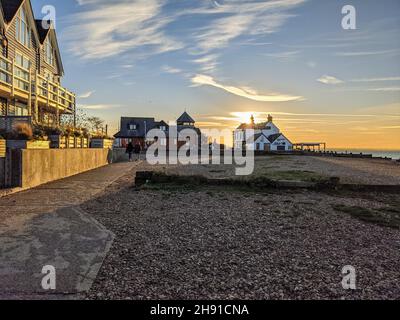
(45, 226)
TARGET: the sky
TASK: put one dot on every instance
(223, 60)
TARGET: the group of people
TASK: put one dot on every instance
(133, 149)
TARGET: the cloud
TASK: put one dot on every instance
(390, 127)
(208, 63)
(239, 18)
(99, 106)
(311, 64)
(329, 80)
(376, 79)
(365, 53)
(86, 95)
(247, 93)
(172, 70)
(283, 55)
(111, 28)
(385, 89)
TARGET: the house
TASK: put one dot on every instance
(30, 69)
(267, 137)
(135, 130)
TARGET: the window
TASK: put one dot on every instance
(48, 52)
(22, 32)
(21, 109)
(22, 61)
(269, 128)
(132, 127)
(22, 64)
(163, 128)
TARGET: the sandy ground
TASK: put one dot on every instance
(353, 171)
(213, 243)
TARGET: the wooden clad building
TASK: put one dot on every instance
(30, 68)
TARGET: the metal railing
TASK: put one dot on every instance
(35, 86)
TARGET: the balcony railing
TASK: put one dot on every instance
(34, 86)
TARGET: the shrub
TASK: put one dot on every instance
(100, 136)
(39, 132)
(22, 131)
(54, 131)
(77, 134)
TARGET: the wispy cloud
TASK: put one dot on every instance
(111, 28)
(365, 53)
(247, 93)
(330, 80)
(86, 95)
(285, 55)
(172, 70)
(99, 106)
(376, 79)
(385, 89)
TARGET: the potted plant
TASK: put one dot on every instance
(101, 141)
(78, 138)
(69, 132)
(57, 137)
(85, 138)
(2, 147)
(24, 137)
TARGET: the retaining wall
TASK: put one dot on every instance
(31, 168)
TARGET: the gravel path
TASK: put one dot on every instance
(216, 244)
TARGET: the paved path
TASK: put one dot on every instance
(45, 226)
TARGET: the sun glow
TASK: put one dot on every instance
(245, 117)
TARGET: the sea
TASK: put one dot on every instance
(394, 154)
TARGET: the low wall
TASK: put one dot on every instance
(120, 155)
(36, 167)
(2, 172)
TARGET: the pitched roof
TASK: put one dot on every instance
(258, 135)
(245, 126)
(185, 118)
(43, 32)
(143, 126)
(274, 137)
(10, 8)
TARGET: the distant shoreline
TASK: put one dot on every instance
(394, 154)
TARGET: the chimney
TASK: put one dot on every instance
(252, 120)
(270, 118)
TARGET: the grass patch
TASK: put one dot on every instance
(387, 216)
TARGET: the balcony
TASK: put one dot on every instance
(16, 81)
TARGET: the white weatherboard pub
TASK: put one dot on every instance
(267, 137)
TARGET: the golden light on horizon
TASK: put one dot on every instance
(245, 117)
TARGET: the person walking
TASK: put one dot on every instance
(129, 151)
(138, 150)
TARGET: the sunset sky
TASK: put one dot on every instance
(225, 60)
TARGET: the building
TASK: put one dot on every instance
(267, 137)
(135, 130)
(30, 69)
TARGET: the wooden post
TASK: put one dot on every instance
(57, 106)
(36, 97)
(30, 92)
(12, 78)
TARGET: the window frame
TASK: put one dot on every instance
(22, 29)
(48, 49)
